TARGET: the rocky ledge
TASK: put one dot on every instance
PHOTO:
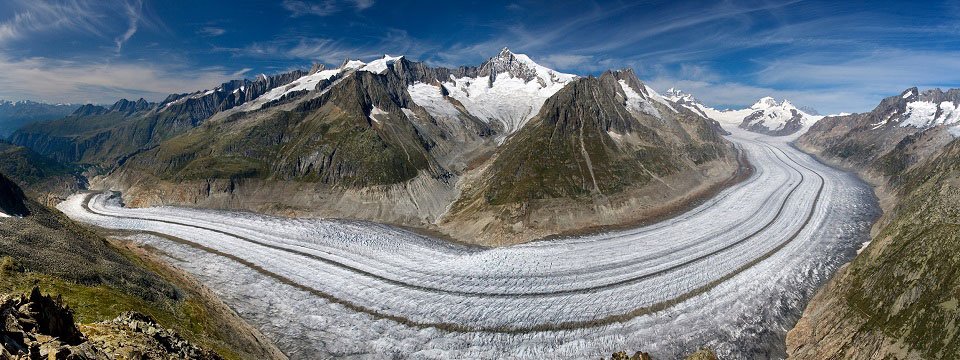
(38, 326)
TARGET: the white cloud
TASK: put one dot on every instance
(565, 61)
(75, 82)
(133, 12)
(299, 8)
(212, 31)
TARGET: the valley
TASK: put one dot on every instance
(353, 287)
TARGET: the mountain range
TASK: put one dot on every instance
(766, 116)
(508, 149)
(15, 114)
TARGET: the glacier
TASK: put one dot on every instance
(732, 274)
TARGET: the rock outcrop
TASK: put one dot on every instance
(12, 199)
(40, 326)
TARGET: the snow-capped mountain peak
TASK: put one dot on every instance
(523, 67)
(678, 96)
(767, 115)
(508, 89)
(926, 110)
(765, 103)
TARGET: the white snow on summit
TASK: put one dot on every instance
(379, 66)
(308, 82)
(508, 100)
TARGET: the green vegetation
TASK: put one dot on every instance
(100, 281)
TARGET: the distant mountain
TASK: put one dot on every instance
(399, 141)
(900, 131)
(14, 115)
(766, 116)
(101, 136)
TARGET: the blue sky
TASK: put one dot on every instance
(831, 55)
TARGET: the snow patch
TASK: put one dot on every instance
(920, 114)
(955, 131)
(429, 97)
(659, 98)
(637, 102)
(510, 101)
(375, 112)
(379, 66)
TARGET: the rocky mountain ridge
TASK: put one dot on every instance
(897, 298)
(397, 141)
(40, 326)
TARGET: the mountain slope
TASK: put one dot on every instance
(766, 116)
(897, 299)
(12, 200)
(101, 280)
(42, 178)
(916, 124)
(581, 161)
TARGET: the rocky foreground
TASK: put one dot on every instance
(41, 326)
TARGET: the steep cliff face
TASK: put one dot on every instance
(898, 298)
(12, 200)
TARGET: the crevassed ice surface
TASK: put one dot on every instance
(732, 274)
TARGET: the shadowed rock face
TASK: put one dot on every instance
(12, 198)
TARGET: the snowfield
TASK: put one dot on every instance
(732, 274)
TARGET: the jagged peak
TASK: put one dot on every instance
(523, 67)
(912, 92)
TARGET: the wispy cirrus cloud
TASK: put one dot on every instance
(299, 8)
(133, 10)
(28, 17)
(331, 51)
(212, 31)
